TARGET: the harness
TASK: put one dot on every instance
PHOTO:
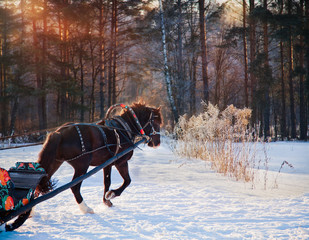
(84, 151)
(116, 123)
(81, 138)
(124, 125)
(103, 135)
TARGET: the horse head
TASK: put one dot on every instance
(150, 120)
(153, 127)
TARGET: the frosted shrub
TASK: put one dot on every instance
(222, 138)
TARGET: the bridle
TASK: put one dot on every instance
(151, 122)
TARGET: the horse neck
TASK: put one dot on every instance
(131, 122)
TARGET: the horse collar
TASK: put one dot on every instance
(124, 125)
(141, 130)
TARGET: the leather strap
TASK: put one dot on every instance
(81, 138)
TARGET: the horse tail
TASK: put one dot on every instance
(47, 158)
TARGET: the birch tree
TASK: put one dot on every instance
(166, 69)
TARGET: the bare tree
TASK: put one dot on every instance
(266, 107)
(244, 6)
(166, 69)
(302, 99)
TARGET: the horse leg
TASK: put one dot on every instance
(123, 169)
(107, 182)
(78, 197)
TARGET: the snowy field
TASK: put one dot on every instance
(173, 198)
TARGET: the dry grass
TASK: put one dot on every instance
(222, 138)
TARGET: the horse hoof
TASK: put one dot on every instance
(110, 195)
(90, 210)
(108, 203)
(85, 209)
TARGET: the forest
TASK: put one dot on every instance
(69, 60)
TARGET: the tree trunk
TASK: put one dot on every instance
(14, 115)
(43, 125)
(266, 106)
(114, 95)
(302, 99)
(306, 42)
(291, 87)
(101, 61)
(252, 59)
(3, 86)
(81, 65)
(193, 86)
(218, 73)
(111, 56)
(245, 56)
(180, 67)
(203, 49)
(283, 104)
(95, 71)
(67, 97)
(275, 115)
(59, 90)
(166, 69)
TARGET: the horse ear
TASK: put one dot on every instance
(159, 109)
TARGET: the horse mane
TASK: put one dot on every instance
(142, 111)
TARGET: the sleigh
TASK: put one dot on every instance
(17, 187)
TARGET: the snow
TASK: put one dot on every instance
(175, 198)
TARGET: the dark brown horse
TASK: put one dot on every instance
(84, 145)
